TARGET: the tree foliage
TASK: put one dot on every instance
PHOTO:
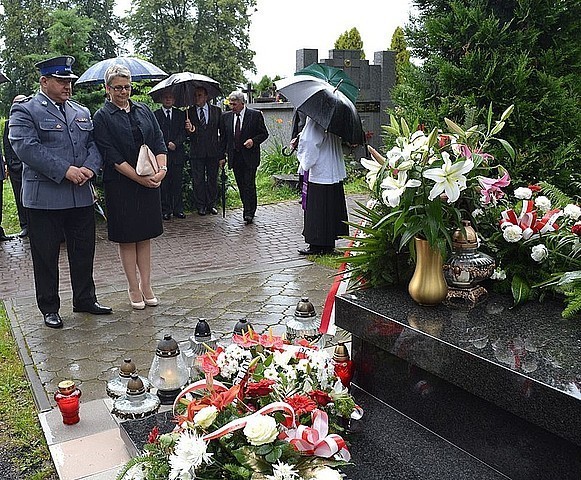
(202, 36)
(32, 30)
(350, 40)
(402, 56)
(521, 52)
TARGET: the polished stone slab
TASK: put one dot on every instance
(498, 382)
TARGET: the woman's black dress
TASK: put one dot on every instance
(133, 211)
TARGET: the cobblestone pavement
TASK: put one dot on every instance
(210, 267)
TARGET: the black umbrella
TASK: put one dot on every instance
(3, 78)
(325, 104)
(223, 192)
(183, 86)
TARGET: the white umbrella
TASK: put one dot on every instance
(140, 70)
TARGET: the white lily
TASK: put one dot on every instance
(393, 188)
(374, 167)
(449, 178)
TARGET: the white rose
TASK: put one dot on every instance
(523, 193)
(325, 473)
(572, 211)
(260, 429)
(512, 233)
(206, 416)
(539, 253)
(543, 203)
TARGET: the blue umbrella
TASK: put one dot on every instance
(140, 70)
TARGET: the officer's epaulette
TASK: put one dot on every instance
(77, 103)
(27, 99)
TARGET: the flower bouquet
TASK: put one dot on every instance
(536, 239)
(264, 410)
(424, 186)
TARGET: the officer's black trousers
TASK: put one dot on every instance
(46, 230)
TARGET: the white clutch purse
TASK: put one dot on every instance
(146, 162)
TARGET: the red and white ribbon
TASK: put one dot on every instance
(316, 440)
(241, 422)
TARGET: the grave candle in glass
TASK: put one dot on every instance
(68, 398)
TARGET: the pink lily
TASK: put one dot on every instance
(491, 187)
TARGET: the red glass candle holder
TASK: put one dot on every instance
(344, 367)
(68, 399)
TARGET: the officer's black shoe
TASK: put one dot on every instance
(53, 320)
(94, 308)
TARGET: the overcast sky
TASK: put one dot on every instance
(281, 27)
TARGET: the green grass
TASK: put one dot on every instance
(20, 433)
(9, 213)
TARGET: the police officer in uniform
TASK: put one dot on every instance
(53, 137)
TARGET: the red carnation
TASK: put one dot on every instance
(576, 229)
(259, 389)
(535, 188)
(301, 404)
(322, 398)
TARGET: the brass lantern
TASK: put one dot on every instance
(117, 386)
(137, 402)
(305, 325)
(465, 268)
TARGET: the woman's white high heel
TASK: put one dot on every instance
(137, 305)
(151, 302)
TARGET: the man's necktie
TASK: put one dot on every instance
(237, 143)
(62, 109)
(202, 117)
(167, 115)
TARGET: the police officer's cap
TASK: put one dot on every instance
(59, 67)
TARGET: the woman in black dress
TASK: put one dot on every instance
(133, 202)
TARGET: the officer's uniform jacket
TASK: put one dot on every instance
(48, 145)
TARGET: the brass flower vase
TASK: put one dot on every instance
(428, 286)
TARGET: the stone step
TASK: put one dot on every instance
(390, 445)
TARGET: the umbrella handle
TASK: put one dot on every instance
(286, 152)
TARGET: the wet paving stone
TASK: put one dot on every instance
(250, 276)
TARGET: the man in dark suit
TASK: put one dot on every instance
(53, 137)
(15, 173)
(172, 123)
(245, 131)
(206, 125)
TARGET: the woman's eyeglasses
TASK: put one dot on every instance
(120, 88)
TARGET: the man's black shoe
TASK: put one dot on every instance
(53, 320)
(248, 219)
(95, 308)
(310, 251)
(202, 211)
(214, 211)
(23, 233)
(3, 236)
(180, 215)
(167, 216)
